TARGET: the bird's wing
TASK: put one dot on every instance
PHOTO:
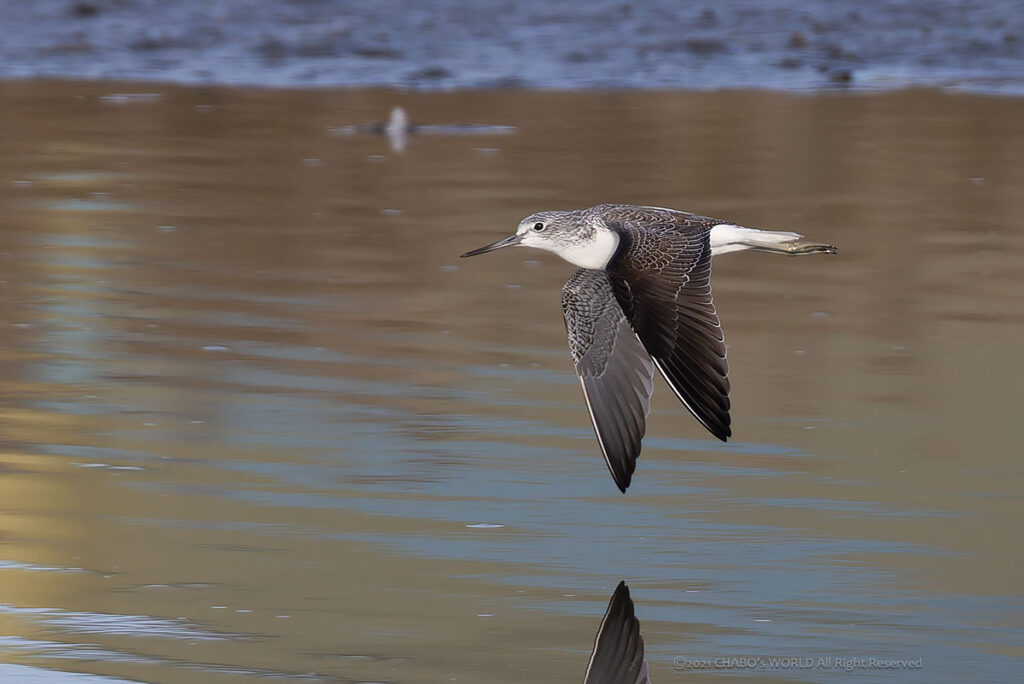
(615, 372)
(662, 280)
(618, 656)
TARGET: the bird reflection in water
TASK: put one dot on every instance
(618, 656)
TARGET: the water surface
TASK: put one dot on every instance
(259, 422)
(445, 44)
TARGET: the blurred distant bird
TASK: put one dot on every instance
(642, 300)
(618, 656)
(399, 127)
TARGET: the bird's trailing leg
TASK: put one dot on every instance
(797, 247)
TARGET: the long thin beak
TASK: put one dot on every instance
(504, 242)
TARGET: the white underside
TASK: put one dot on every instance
(726, 237)
(593, 254)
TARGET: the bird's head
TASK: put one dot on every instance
(572, 235)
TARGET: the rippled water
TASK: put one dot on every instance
(447, 44)
(259, 422)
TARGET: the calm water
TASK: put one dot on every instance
(258, 422)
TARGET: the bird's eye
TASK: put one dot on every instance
(538, 226)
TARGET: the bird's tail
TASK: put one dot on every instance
(736, 238)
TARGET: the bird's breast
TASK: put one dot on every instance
(594, 253)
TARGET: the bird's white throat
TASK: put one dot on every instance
(594, 253)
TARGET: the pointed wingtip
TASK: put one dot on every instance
(719, 426)
(720, 431)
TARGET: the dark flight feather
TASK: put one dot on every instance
(661, 277)
(615, 372)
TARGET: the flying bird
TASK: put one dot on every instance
(640, 301)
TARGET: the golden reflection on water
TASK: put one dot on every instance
(253, 404)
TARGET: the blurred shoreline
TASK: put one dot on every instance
(459, 44)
